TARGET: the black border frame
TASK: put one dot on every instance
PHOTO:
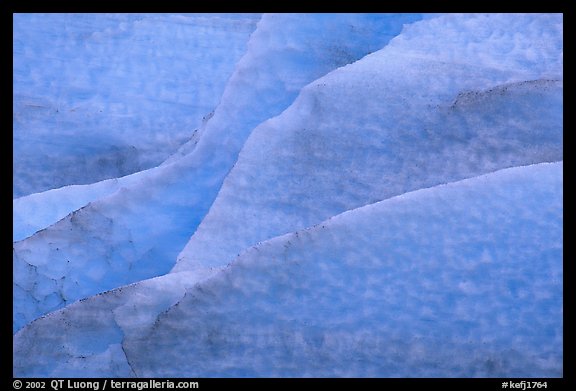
(8, 7)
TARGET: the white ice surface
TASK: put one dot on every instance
(138, 231)
(458, 280)
(450, 98)
(103, 95)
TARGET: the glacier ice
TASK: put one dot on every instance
(98, 96)
(360, 195)
(361, 133)
(152, 219)
(458, 280)
(37, 211)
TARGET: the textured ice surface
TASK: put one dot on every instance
(138, 232)
(103, 95)
(286, 52)
(457, 280)
(37, 211)
(99, 247)
(424, 110)
(89, 342)
(463, 279)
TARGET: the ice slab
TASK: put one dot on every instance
(429, 108)
(458, 280)
(138, 231)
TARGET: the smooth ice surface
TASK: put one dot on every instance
(449, 98)
(137, 232)
(98, 96)
(458, 280)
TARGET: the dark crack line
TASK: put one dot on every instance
(127, 359)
